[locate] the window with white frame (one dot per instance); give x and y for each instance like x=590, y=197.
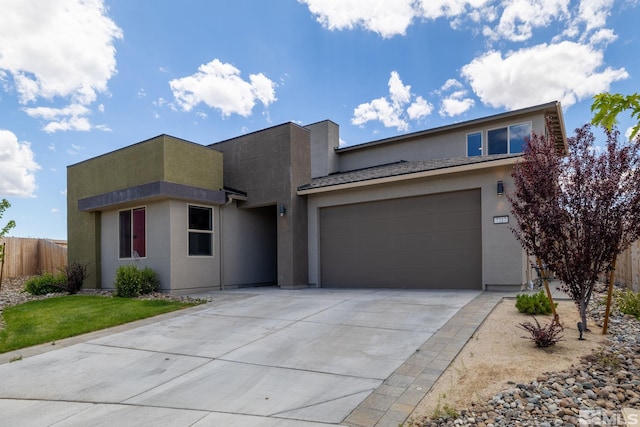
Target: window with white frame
x=474, y=144
x=509, y=139
x=133, y=233
x=200, y=231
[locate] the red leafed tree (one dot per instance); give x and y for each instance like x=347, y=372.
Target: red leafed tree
x=577, y=212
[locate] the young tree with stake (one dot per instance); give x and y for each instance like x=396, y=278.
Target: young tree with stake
x=578, y=212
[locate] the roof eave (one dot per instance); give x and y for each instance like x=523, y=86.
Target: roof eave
x=410, y=176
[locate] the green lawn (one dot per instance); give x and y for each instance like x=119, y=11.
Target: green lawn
x=47, y=320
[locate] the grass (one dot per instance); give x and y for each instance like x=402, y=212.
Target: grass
x=48, y=320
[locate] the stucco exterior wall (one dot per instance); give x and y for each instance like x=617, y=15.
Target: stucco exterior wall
x=192, y=274
x=325, y=138
x=249, y=246
x=269, y=166
x=167, y=250
x=502, y=263
x=430, y=145
x=163, y=158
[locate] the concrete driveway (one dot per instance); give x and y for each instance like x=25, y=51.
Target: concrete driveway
x=252, y=357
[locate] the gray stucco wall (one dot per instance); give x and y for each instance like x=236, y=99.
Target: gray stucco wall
x=325, y=138
x=503, y=258
x=432, y=145
x=167, y=252
x=269, y=166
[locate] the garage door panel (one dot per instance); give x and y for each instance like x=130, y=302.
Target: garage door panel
x=420, y=242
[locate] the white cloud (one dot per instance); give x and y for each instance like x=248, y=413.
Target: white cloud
x=75, y=149
x=419, y=109
x=17, y=166
x=220, y=86
x=456, y=104
x=451, y=83
x=565, y=71
x=391, y=111
x=55, y=210
x=385, y=17
x=594, y=13
x=58, y=48
x=603, y=37
x=434, y=9
x=520, y=17
x=514, y=20
x=72, y=117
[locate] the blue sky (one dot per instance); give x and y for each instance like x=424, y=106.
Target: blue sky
x=80, y=78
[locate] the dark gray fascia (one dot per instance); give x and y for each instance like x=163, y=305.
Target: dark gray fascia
x=158, y=190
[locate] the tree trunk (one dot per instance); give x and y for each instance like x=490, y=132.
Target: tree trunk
x=583, y=313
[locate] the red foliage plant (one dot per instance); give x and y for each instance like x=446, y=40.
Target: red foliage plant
x=577, y=212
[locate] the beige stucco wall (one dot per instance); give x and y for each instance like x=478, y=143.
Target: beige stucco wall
x=502, y=256
x=163, y=158
x=167, y=249
x=434, y=145
x=249, y=246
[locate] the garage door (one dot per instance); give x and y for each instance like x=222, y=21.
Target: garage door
x=429, y=242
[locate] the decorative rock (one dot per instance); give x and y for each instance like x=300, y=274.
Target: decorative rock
x=607, y=380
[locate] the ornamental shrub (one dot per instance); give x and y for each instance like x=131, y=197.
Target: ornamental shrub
x=628, y=302
x=132, y=282
x=75, y=274
x=543, y=336
x=537, y=303
x=46, y=283
x=150, y=282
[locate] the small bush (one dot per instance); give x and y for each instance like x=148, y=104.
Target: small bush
x=132, y=282
x=533, y=304
x=150, y=282
x=628, y=302
x=46, y=283
x=543, y=336
x=75, y=274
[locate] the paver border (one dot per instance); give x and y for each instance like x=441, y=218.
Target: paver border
x=391, y=404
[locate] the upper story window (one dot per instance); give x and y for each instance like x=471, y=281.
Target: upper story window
x=474, y=144
x=510, y=139
x=200, y=231
x=133, y=233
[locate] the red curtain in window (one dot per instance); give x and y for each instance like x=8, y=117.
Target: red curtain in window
x=139, y=233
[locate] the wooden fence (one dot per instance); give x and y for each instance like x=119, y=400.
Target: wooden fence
x=627, y=272
x=28, y=257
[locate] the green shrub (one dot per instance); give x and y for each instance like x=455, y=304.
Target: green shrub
x=133, y=282
x=46, y=283
x=150, y=282
x=75, y=274
x=628, y=302
x=533, y=303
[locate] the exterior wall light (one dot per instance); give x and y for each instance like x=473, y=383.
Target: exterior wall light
x=281, y=210
x=500, y=188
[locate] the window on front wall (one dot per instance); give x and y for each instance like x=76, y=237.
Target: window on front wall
x=510, y=139
x=200, y=231
x=474, y=144
x=133, y=233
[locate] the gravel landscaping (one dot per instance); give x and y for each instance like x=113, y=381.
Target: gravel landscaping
x=599, y=386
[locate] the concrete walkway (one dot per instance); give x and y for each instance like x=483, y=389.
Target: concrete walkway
x=257, y=357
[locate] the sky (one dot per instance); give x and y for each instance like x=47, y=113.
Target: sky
x=81, y=78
